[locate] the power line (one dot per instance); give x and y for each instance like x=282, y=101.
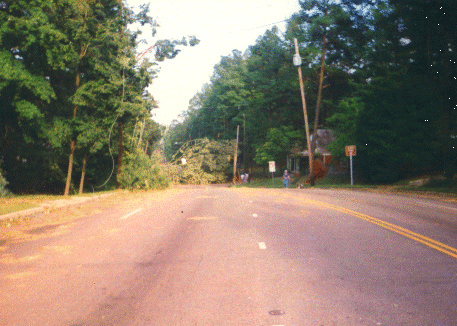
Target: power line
x=250, y=29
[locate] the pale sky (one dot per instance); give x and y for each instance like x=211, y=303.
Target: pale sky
x=221, y=26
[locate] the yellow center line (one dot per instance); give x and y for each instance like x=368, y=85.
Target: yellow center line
x=448, y=250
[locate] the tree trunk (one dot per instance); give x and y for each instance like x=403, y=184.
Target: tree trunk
x=146, y=148
x=70, y=167
x=141, y=133
x=120, y=143
x=73, y=141
x=319, y=92
x=83, y=174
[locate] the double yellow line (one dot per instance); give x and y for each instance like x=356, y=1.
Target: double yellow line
x=448, y=250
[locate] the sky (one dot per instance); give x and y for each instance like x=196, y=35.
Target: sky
x=220, y=25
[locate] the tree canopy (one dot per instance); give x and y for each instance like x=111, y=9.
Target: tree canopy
x=383, y=78
x=69, y=72
x=75, y=107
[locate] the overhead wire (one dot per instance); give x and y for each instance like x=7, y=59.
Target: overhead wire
x=250, y=29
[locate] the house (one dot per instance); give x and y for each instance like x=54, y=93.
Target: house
x=298, y=156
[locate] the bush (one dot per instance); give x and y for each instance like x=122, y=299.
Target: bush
x=142, y=172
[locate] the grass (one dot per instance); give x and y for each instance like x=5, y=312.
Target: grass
x=448, y=186
x=14, y=203
x=263, y=183
x=329, y=182
x=5, y=209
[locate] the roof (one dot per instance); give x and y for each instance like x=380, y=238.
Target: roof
x=324, y=138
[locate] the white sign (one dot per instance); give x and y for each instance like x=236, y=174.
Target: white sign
x=272, y=166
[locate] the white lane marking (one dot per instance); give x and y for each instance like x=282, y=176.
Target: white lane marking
x=130, y=214
x=262, y=245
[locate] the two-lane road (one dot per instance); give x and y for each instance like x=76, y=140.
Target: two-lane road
x=213, y=255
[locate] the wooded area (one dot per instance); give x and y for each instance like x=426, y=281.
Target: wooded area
x=74, y=104
x=381, y=75
x=75, y=113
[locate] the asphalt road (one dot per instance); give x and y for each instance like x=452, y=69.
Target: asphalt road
x=223, y=256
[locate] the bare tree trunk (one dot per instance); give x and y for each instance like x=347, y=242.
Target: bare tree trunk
x=83, y=174
x=146, y=148
x=141, y=133
x=70, y=167
x=73, y=141
x=319, y=92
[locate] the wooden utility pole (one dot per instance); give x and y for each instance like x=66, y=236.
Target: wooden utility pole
x=305, y=113
x=236, y=153
x=244, y=145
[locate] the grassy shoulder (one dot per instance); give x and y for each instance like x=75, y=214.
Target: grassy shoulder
x=438, y=187
x=15, y=203
x=328, y=182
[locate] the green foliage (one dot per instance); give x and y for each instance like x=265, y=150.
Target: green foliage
x=396, y=132
x=68, y=73
x=207, y=161
x=277, y=146
x=344, y=123
x=142, y=172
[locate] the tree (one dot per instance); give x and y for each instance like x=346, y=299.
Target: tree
x=405, y=128
x=277, y=145
x=396, y=133
x=330, y=48
x=428, y=28
x=31, y=48
x=69, y=70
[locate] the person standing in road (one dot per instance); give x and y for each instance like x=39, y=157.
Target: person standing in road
x=286, y=179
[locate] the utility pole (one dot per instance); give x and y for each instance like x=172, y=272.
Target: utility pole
x=244, y=145
x=236, y=153
x=297, y=63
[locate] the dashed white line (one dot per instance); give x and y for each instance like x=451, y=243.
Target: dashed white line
x=130, y=214
x=262, y=245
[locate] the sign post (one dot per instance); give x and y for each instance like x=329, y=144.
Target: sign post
x=272, y=168
x=351, y=151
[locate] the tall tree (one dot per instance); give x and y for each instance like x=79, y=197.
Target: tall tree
x=31, y=48
x=330, y=47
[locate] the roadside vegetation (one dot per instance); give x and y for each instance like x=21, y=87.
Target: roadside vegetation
x=76, y=112
x=371, y=82
x=436, y=186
